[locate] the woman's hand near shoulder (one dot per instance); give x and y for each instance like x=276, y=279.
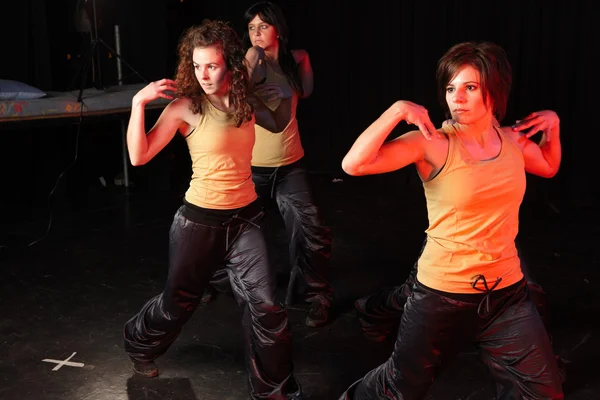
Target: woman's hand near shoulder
x=541, y=159
x=164, y=88
x=255, y=62
x=372, y=154
x=144, y=147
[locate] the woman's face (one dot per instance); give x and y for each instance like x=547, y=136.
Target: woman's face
x=261, y=33
x=211, y=70
x=464, y=96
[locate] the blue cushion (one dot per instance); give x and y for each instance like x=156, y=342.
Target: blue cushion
x=14, y=90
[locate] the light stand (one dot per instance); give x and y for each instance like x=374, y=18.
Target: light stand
x=92, y=59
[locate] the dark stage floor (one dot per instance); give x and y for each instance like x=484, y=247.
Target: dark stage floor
x=68, y=296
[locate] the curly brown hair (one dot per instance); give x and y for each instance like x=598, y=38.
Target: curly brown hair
x=214, y=33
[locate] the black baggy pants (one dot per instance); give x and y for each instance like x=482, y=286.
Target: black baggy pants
x=200, y=241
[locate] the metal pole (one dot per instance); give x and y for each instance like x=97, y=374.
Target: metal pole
x=123, y=128
x=95, y=19
x=118, y=48
x=96, y=62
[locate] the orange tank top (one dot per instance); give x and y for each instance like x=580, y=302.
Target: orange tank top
x=283, y=148
x=473, y=210
x=221, y=156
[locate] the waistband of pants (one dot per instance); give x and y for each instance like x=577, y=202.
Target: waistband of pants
x=476, y=297
x=219, y=218
x=282, y=168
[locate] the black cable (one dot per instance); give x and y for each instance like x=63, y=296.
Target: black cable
x=79, y=74
x=50, y=196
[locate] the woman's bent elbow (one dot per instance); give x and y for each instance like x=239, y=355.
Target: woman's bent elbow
x=136, y=161
x=349, y=168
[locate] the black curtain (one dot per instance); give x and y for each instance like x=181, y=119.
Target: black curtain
x=25, y=44
x=368, y=54
x=43, y=46
x=365, y=56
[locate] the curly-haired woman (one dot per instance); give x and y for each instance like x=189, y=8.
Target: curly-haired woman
x=217, y=224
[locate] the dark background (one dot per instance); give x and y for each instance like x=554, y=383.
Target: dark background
x=106, y=251
x=365, y=56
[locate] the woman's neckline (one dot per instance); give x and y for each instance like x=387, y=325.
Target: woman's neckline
x=493, y=158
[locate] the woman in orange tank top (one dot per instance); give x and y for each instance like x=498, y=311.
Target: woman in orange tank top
x=218, y=223
x=283, y=76
x=379, y=313
x=278, y=168
x=469, y=288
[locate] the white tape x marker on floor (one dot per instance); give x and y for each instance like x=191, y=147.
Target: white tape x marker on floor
x=65, y=362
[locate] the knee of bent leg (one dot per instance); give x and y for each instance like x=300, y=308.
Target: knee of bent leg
x=269, y=314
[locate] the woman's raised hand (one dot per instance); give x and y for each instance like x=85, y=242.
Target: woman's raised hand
x=155, y=90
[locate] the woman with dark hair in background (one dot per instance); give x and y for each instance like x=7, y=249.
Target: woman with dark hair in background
x=217, y=224
x=281, y=77
x=469, y=287
x=277, y=167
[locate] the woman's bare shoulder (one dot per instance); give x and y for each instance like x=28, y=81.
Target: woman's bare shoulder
x=182, y=108
x=299, y=55
x=513, y=136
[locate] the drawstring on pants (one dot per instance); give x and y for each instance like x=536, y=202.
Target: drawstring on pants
x=233, y=218
x=487, y=291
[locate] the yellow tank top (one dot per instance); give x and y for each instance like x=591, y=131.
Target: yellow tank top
x=283, y=148
x=473, y=210
x=221, y=156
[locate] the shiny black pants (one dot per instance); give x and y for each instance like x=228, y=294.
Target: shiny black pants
x=196, y=250
x=379, y=313
x=436, y=326
x=309, y=238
